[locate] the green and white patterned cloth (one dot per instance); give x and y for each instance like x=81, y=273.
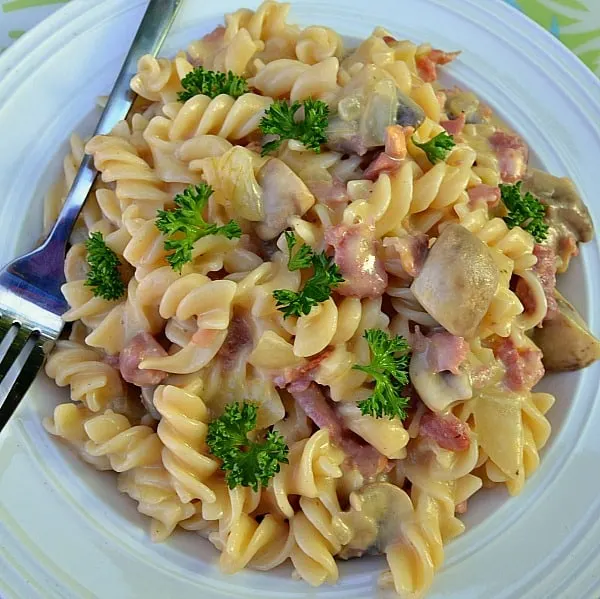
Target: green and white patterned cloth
x=575, y=22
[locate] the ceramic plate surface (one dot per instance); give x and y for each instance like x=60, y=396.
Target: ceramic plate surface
x=66, y=532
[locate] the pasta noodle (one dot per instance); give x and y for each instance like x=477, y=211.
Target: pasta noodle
x=396, y=232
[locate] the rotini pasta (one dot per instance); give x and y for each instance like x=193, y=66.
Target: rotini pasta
x=325, y=340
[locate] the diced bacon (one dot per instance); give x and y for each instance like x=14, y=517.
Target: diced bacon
x=215, y=35
x=366, y=458
x=389, y=40
x=524, y=367
x=301, y=377
x=239, y=338
x=484, y=195
x=445, y=352
x=455, y=126
x=141, y=347
x=512, y=155
x=254, y=146
x=318, y=409
x=545, y=268
x=427, y=63
x=112, y=360
x=404, y=256
x=356, y=255
x=204, y=337
x=461, y=508
x=446, y=430
x=382, y=164
x=210, y=43
x=395, y=141
x=332, y=194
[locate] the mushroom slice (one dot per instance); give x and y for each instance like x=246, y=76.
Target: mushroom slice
x=375, y=518
x=458, y=281
x=284, y=194
x=438, y=390
x=565, y=341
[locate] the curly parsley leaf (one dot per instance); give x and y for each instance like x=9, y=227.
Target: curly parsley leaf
x=211, y=84
x=317, y=289
x=247, y=463
x=524, y=211
x=302, y=258
x=185, y=225
x=104, y=277
x=389, y=368
x=280, y=120
x=437, y=148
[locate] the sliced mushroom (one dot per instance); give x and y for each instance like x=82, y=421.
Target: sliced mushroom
x=284, y=195
x=370, y=103
x=566, y=214
x=458, y=281
x=375, y=518
x=565, y=341
x=462, y=102
x=438, y=390
x=147, y=397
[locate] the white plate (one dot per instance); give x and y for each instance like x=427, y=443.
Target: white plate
x=64, y=529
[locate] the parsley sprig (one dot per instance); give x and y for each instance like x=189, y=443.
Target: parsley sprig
x=524, y=210
x=247, y=463
x=389, y=369
x=437, y=148
x=280, y=119
x=104, y=277
x=302, y=258
x=211, y=84
x=317, y=289
x=185, y=225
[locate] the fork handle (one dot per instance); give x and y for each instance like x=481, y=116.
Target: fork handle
x=150, y=37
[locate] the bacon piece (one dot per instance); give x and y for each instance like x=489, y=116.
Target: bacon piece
x=404, y=256
x=455, y=126
x=545, y=268
x=318, y=409
x=389, y=40
x=366, y=458
x=512, y=155
x=461, y=508
x=204, y=337
x=239, y=338
x=446, y=430
x=301, y=377
x=445, y=352
x=395, y=141
x=484, y=195
x=427, y=63
x=356, y=255
x=524, y=367
x=254, y=146
x=382, y=164
x=215, y=35
x=111, y=360
x=141, y=347
x=332, y=194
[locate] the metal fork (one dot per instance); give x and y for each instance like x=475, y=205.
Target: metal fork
x=31, y=303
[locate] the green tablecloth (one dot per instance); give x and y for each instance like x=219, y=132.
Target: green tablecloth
x=575, y=22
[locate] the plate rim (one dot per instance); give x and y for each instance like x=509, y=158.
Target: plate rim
x=66, y=13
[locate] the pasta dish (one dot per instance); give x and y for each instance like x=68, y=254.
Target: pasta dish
x=311, y=295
